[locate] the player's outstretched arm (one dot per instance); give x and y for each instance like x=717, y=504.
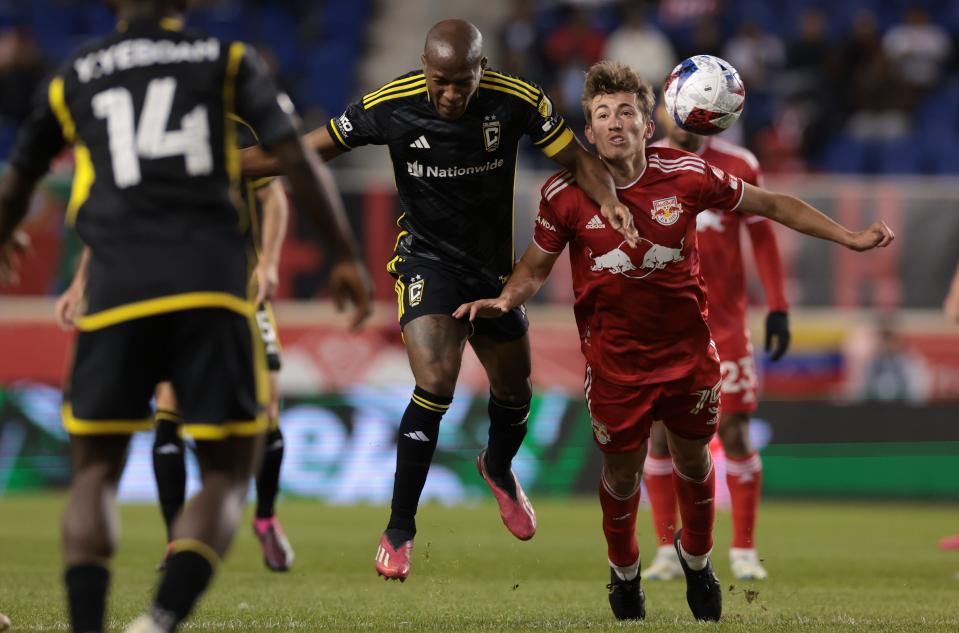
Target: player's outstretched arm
x=802, y=217
x=16, y=187
x=257, y=162
x=349, y=280
x=593, y=178
x=276, y=213
x=528, y=277
x=769, y=265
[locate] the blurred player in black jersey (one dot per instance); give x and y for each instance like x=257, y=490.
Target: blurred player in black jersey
x=147, y=110
x=266, y=203
x=452, y=130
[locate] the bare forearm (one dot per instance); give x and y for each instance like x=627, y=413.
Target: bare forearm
x=258, y=163
x=523, y=284
x=802, y=217
x=593, y=178
x=275, y=218
x=314, y=193
x=80, y=277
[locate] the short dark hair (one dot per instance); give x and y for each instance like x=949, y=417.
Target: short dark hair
x=609, y=77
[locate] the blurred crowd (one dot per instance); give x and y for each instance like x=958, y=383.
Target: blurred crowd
x=848, y=86
x=312, y=46
x=831, y=86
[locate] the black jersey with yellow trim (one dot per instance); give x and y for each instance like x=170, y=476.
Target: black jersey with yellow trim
x=455, y=178
x=156, y=191
x=246, y=137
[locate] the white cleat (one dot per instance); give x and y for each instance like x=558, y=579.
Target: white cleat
x=144, y=624
x=665, y=566
x=745, y=564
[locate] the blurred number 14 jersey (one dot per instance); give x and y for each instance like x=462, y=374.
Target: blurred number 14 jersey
x=455, y=178
x=150, y=113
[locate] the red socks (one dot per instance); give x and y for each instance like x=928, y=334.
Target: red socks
x=658, y=474
x=744, y=477
x=697, y=506
x=619, y=524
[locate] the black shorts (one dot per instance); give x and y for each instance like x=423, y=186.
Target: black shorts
x=266, y=322
x=211, y=356
x=425, y=287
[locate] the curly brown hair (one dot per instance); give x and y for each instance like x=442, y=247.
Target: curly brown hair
x=608, y=77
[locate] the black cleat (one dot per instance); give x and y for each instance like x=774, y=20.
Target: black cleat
x=626, y=597
x=704, y=594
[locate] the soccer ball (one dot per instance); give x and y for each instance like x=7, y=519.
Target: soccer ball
x=704, y=94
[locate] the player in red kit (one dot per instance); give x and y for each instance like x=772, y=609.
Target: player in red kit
x=721, y=263
x=641, y=315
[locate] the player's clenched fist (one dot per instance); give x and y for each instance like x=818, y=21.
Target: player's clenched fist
x=878, y=235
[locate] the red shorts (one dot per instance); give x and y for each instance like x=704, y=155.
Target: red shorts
x=622, y=416
x=739, y=374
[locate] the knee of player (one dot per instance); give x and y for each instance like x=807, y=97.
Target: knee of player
x=734, y=434
x=438, y=379
x=514, y=393
x=692, y=461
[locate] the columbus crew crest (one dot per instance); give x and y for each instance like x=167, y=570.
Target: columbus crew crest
x=491, y=133
x=416, y=291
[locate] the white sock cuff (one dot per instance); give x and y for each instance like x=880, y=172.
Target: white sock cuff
x=626, y=573
x=750, y=465
x=658, y=466
x=695, y=562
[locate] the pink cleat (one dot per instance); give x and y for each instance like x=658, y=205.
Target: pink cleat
x=950, y=542
x=393, y=564
x=517, y=512
x=277, y=552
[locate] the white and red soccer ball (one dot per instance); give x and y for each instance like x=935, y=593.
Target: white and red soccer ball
x=704, y=94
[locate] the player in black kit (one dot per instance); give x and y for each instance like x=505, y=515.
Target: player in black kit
x=148, y=111
x=452, y=130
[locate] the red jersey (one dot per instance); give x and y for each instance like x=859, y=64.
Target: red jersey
x=641, y=312
x=719, y=235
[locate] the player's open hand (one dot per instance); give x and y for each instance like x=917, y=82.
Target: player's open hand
x=878, y=235
x=483, y=308
x=10, y=254
x=621, y=220
x=69, y=306
x=350, y=283
x=267, y=278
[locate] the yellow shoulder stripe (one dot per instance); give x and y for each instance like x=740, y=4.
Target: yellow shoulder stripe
x=512, y=81
x=58, y=104
x=232, y=154
x=406, y=93
x=393, y=91
x=396, y=83
x=515, y=93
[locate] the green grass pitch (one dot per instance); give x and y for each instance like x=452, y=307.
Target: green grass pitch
x=838, y=566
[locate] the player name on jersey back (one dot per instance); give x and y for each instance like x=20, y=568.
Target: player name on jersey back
x=143, y=52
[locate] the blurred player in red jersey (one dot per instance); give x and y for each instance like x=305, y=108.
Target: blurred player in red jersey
x=720, y=251
x=641, y=314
